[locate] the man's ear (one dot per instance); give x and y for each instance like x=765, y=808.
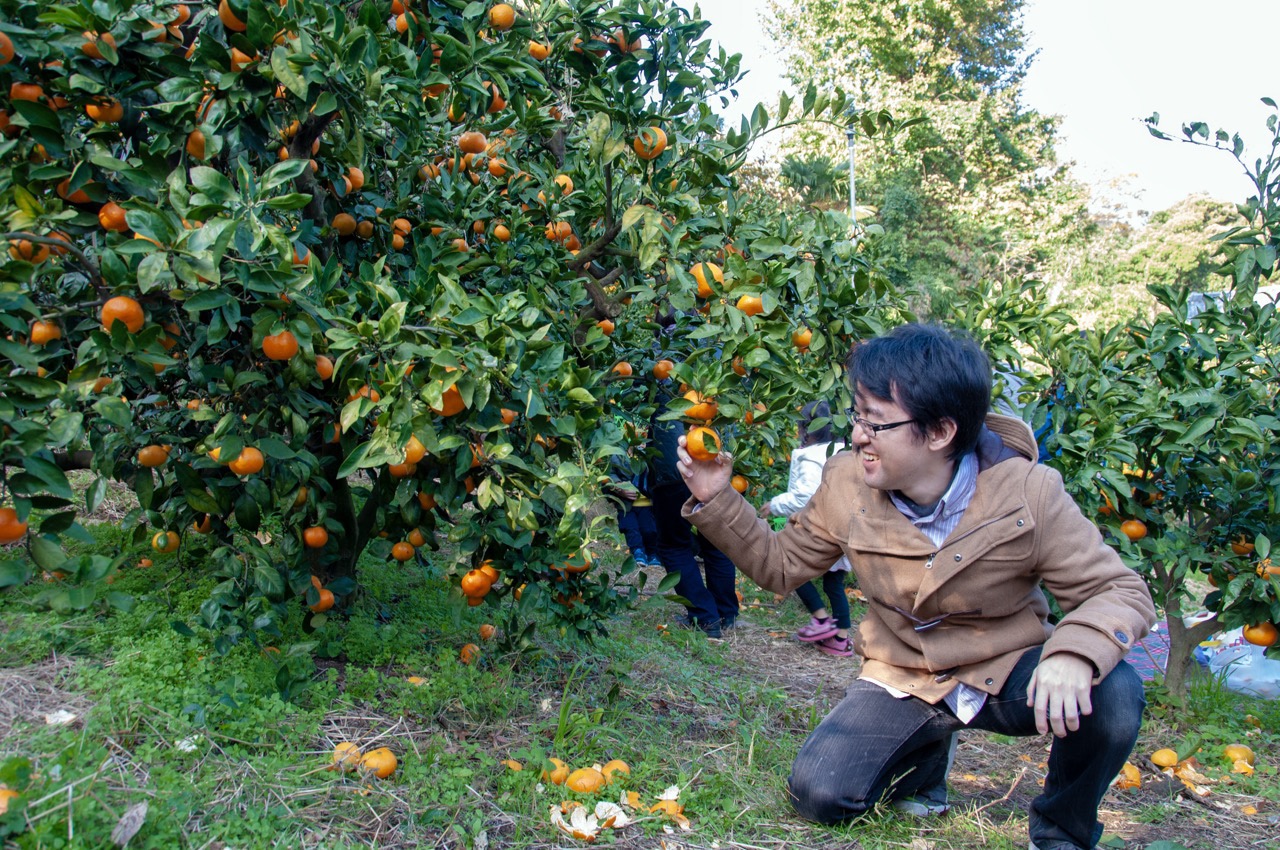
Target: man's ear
x=939, y=436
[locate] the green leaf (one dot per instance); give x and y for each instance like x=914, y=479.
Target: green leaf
x=213, y=184
x=285, y=74
x=13, y=573
x=55, y=480
x=392, y=319
x=47, y=554
x=581, y=396
x=268, y=578
x=355, y=460
x=293, y=201
x=281, y=173
x=153, y=272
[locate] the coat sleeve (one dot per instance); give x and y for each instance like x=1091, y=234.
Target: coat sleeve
x=804, y=478
x=779, y=561
x=1107, y=606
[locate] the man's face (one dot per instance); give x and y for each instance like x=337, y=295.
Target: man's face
x=892, y=458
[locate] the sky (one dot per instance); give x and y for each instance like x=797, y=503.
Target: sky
x=1103, y=66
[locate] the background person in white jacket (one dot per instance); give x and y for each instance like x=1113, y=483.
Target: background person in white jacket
x=828, y=626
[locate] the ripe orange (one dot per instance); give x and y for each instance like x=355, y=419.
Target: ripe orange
x=801, y=339
x=92, y=40
x=662, y=369
x=366, y=392
x=508, y=415
x=558, y=774
x=489, y=570
x=402, y=226
x=650, y=144
x=565, y=182
x=1238, y=752
x=346, y=756
x=606, y=327
x=249, y=462
x=702, y=408
x=1240, y=546
x=702, y=443
x=106, y=111
x=152, y=456
x=414, y=451
x=24, y=249
x=324, y=367
x=344, y=224
x=416, y=538
x=79, y=196
x=165, y=542
x=426, y=500
x=468, y=653
x=487, y=631
x=451, y=402
x=380, y=762
x=538, y=50
x=43, y=333
x=11, y=530
x=739, y=483
x=25, y=91
x=315, y=537
x=585, y=780
x=614, y=766
x=502, y=17
x=203, y=526
x=472, y=141
x=196, y=142
x=6, y=49
x=281, y=346
x=700, y=272
x=475, y=584
x=356, y=176
x=751, y=305
x=325, y=602
x=1134, y=529
x=229, y=19
x=111, y=217
x=739, y=368
x=239, y=59
x=402, y=551
x=623, y=369
x=1261, y=634
x=364, y=229
x=122, y=309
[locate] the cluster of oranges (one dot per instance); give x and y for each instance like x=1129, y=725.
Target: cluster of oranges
x=583, y=780
x=348, y=757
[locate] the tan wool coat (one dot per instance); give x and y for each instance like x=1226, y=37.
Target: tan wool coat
x=1021, y=529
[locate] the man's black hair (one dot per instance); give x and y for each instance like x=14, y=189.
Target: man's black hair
x=932, y=373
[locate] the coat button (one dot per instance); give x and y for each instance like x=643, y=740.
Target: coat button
x=1020, y=523
x=991, y=681
x=958, y=557
x=1122, y=637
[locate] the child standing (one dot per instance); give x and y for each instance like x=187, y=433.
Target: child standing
x=828, y=627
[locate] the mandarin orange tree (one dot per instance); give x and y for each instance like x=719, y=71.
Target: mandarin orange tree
x=347, y=264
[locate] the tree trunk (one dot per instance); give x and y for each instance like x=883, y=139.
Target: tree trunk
x=1183, y=641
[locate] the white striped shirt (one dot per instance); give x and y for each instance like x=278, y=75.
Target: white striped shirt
x=945, y=517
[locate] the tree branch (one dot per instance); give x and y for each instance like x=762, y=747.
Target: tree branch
x=95, y=276
x=596, y=248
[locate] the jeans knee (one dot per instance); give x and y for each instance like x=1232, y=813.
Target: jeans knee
x=820, y=798
x=1119, y=700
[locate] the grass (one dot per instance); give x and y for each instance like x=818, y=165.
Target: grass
x=220, y=759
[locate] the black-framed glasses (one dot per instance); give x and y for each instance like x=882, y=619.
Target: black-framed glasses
x=873, y=428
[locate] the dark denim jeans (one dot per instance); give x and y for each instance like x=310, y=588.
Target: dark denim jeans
x=714, y=600
x=874, y=747
x=833, y=585
x=637, y=526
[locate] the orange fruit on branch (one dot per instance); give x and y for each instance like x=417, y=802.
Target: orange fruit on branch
x=650, y=144
x=32, y=252
x=622, y=369
x=502, y=17
x=751, y=305
x=702, y=443
x=402, y=551
x=122, y=309
x=475, y=584
x=739, y=483
x=700, y=272
x=801, y=339
x=152, y=456
x=1134, y=529
x=229, y=19
x=325, y=602
x=281, y=346
x=1240, y=546
x=1261, y=634
x=344, y=224
x=538, y=50
x=472, y=141
x=165, y=542
x=111, y=217
x=249, y=461
x=43, y=333
x=315, y=537
x=105, y=111
x=11, y=530
x=324, y=367
x=702, y=407
x=662, y=369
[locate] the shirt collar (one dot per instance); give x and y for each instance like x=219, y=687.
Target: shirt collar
x=963, y=485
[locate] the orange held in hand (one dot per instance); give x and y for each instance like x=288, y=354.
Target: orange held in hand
x=702, y=443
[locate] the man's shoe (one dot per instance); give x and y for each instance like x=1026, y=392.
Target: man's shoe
x=833, y=645
x=816, y=630
x=920, y=807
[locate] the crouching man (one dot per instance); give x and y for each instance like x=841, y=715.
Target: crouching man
x=951, y=527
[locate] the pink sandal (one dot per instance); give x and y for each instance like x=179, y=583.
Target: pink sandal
x=833, y=645
x=816, y=630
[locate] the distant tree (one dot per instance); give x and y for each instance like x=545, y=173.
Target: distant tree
x=972, y=191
